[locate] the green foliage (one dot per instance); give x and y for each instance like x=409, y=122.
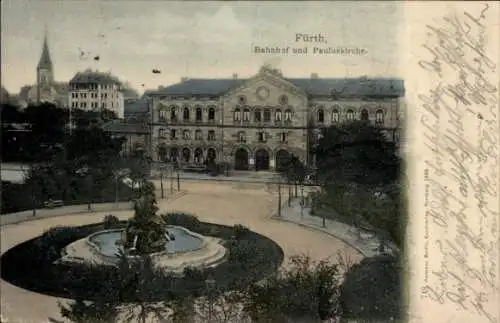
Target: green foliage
x=189, y=221
x=240, y=231
x=372, y=290
x=294, y=171
x=80, y=311
x=110, y=221
x=308, y=290
x=356, y=152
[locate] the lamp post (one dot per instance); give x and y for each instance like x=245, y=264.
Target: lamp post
x=85, y=172
x=210, y=284
x=279, y=197
x=161, y=181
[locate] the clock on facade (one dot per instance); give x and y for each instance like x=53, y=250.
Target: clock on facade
x=262, y=93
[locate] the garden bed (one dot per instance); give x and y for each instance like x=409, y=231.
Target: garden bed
x=252, y=257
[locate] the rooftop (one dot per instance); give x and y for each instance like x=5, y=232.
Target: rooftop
x=339, y=87
x=94, y=77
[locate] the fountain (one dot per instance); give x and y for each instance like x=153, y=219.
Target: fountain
x=172, y=248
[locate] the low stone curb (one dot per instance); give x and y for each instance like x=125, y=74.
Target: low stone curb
x=315, y=228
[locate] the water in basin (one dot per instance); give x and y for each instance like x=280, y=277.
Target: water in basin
x=106, y=241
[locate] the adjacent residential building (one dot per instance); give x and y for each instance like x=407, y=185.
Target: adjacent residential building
x=93, y=90
x=256, y=123
x=46, y=89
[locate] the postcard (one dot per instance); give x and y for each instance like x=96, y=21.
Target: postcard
x=226, y=161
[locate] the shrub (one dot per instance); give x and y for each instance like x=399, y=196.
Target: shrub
x=110, y=221
x=186, y=220
x=240, y=231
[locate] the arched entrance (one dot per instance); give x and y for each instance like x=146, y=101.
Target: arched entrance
x=186, y=155
x=282, y=158
x=211, y=155
x=261, y=159
x=198, y=156
x=241, y=159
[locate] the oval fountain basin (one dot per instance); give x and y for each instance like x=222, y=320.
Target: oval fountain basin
x=183, y=242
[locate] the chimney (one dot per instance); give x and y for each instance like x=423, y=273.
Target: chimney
x=314, y=75
x=184, y=79
x=235, y=76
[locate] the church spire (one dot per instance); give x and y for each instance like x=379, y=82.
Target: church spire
x=45, y=61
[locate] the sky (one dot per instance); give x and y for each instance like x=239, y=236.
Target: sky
x=195, y=39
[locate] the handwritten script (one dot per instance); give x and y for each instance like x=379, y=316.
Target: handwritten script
x=460, y=119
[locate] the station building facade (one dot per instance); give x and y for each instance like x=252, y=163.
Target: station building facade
x=256, y=123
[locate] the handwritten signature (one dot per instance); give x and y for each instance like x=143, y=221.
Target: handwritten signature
x=458, y=58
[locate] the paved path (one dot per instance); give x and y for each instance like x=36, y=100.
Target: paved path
x=366, y=243
x=226, y=203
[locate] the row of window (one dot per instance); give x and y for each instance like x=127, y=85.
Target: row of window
x=87, y=86
x=262, y=136
x=186, y=134
x=93, y=105
x=264, y=115
x=350, y=116
x=283, y=99
x=186, y=114
x=93, y=95
x=173, y=155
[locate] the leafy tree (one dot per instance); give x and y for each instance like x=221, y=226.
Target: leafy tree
x=294, y=171
x=81, y=311
x=372, y=290
x=308, y=290
x=356, y=152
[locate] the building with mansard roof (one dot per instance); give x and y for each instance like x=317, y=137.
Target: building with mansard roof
x=256, y=123
x=94, y=90
x=46, y=89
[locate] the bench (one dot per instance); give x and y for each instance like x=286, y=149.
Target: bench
x=53, y=203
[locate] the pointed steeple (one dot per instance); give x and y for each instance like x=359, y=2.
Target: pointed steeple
x=45, y=61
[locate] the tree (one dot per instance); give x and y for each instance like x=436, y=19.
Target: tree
x=356, y=152
x=372, y=290
x=81, y=311
x=308, y=290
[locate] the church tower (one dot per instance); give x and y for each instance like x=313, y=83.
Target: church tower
x=44, y=70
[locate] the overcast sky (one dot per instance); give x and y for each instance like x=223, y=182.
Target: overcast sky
x=194, y=39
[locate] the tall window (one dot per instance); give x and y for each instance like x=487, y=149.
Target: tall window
x=379, y=116
x=211, y=135
x=173, y=114
x=198, y=135
x=185, y=114
x=288, y=115
x=173, y=134
x=161, y=133
x=283, y=137
x=162, y=115
x=277, y=115
x=261, y=136
x=246, y=114
x=335, y=116
x=350, y=115
x=267, y=115
x=211, y=114
x=199, y=114
x=364, y=115
x=321, y=116
x=257, y=115
x=237, y=115
x=241, y=136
